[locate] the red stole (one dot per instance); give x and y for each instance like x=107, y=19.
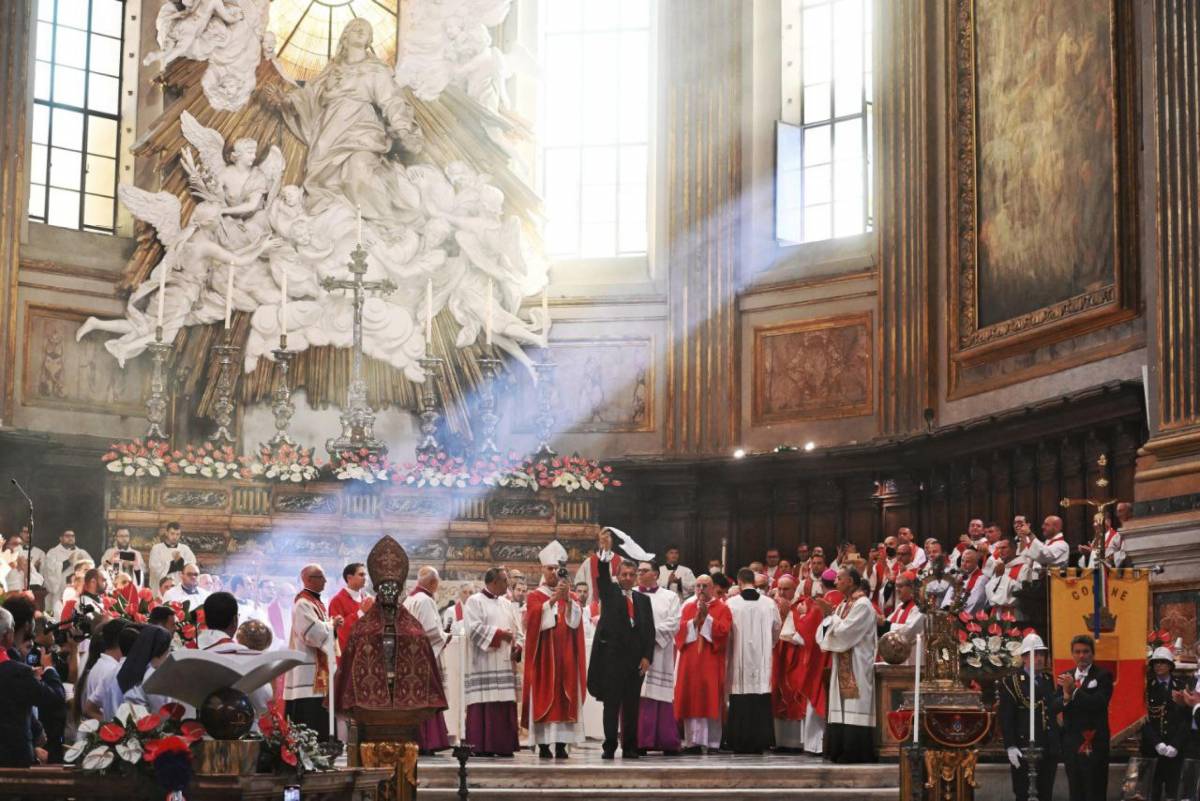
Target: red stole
x=321, y=675
x=1109, y=537
x=458, y=610
x=901, y=614
x=973, y=579
x=555, y=665
x=1014, y=572
x=221, y=641
x=344, y=604
x=700, y=669
x=787, y=672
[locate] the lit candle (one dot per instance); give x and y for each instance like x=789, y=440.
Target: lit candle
x=229, y=297
x=489, y=313
x=1032, y=697
x=162, y=293
x=283, y=311
x=359, y=224
x=917, y=696
x=429, y=316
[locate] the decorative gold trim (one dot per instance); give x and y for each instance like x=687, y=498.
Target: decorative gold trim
x=970, y=344
x=758, y=417
x=810, y=282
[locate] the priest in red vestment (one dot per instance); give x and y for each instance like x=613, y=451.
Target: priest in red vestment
x=813, y=679
x=555, y=665
x=704, y=627
x=788, y=704
x=350, y=602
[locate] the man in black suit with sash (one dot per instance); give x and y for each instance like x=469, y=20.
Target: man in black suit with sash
x=1085, y=693
x=622, y=649
x=1013, y=692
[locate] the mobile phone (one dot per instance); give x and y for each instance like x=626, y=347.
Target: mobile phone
x=291, y=792
x=127, y=556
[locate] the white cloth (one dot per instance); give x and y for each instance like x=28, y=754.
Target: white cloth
x=1055, y=552
x=1001, y=590
x=702, y=731
x=1114, y=551
x=976, y=596
x=161, y=558
x=660, y=679
x=178, y=594
x=913, y=625
x=312, y=635
x=57, y=567
x=751, y=644
x=489, y=674
x=136, y=569
x=422, y=606
x=207, y=640
x=105, y=666
x=108, y=696
x=685, y=580
x=849, y=634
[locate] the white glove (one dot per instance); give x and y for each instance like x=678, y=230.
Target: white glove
x=1172, y=752
x=1161, y=748
x=1014, y=756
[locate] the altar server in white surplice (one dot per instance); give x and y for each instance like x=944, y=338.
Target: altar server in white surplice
x=494, y=641
x=848, y=633
x=751, y=650
x=433, y=736
x=657, y=729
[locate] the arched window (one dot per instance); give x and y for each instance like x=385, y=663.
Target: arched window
x=824, y=143
x=76, y=114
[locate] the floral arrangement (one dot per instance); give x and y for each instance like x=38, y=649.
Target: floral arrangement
x=568, y=473
x=443, y=470
x=360, y=465
x=207, y=461
x=291, y=746
x=989, y=640
x=137, y=739
x=138, y=459
x=188, y=623
x=1157, y=639
x=283, y=463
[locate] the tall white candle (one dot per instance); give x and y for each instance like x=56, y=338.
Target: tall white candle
x=283, y=308
x=229, y=296
x=545, y=307
x=359, y=224
x=489, y=313
x=162, y=293
x=331, y=660
x=1032, y=697
x=429, y=316
x=917, y=695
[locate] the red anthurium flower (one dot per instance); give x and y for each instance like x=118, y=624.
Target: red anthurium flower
x=994, y=629
x=149, y=723
x=266, y=725
x=974, y=628
x=192, y=644
x=191, y=730
x=188, y=631
x=981, y=615
x=288, y=756
x=112, y=733
x=164, y=745
x=173, y=710
x=1007, y=616
x=1027, y=631
x=1014, y=632
x=962, y=635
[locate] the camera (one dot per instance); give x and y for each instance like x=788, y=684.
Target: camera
x=562, y=572
x=61, y=629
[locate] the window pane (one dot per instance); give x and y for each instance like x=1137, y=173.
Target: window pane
x=45, y=40
x=67, y=130
x=635, y=13
x=102, y=136
x=603, y=16
x=68, y=86
x=64, y=208
x=70, y=47
x=816, y=103
x=634, y=86
x=599, y=66
x=97, y=211
x=38, y=163
x=37, y=201
x=816, y=223
x=597, y=239
x=72, y=13
x=816, y=45
x=105, y=55
x=816, y=185
x=817, y=148
x=107, y=17
x=564, y=15
x=45, y=10
x=41, y=81
x=103, y=94
x=101, y=176
x=65, y=168
x=41, y=124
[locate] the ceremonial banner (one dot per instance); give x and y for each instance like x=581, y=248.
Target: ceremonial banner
x=1114, y=607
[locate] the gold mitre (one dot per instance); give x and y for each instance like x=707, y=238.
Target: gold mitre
x=387, y=564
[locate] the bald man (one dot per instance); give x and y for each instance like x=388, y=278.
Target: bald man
x=314, y=632
x=433, y=736
x=1052, y=550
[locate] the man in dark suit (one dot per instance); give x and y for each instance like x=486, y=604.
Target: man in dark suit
x=1085, y=693
x=621, y=652
x=24, y=688
x=1013, y=692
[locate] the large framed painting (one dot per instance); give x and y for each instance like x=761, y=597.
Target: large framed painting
x=813, y=369
x=60, y=373
x=1043, y=174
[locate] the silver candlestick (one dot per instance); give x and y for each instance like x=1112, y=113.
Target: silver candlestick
x=432, y=367
x=545, y=400
x=156, y=404
x=488, y=419
x=224, y=405
x=281, y=398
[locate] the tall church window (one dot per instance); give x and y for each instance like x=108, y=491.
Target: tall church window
x=824, y=149
x=76, y=114
x=593, y=126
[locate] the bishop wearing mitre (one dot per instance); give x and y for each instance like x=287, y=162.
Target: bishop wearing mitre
x=555, y=661
x=703, y=635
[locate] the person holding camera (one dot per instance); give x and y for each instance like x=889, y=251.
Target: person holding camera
x=25, y=688
x=169, y=557
x=122, y=558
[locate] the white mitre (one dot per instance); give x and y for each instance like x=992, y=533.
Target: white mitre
x=553, y=555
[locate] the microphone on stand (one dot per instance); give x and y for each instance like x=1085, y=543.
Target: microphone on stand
x=28, y=545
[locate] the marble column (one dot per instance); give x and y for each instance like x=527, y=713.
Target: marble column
x=1166, y=527
x=16, y=21
x=701, y=75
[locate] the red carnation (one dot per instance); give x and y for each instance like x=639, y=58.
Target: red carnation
x=149, y=723
x=112, y=733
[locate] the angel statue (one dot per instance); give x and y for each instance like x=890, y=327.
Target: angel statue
x=353, y=117
x=448, y=44
x=183, y=272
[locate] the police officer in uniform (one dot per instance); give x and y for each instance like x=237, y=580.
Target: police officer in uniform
x=1014, y=722
x=1167, y=723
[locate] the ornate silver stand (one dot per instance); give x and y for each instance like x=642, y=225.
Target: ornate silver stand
x=156, y=404
x=432, y=367
x=281, y=398
x=545, y=400
x=488, y=419
x=1033, y=755
x=358, y=420
x=913, y=754
x=224, y=405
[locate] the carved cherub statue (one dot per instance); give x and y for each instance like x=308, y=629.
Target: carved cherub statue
x=181, y=25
